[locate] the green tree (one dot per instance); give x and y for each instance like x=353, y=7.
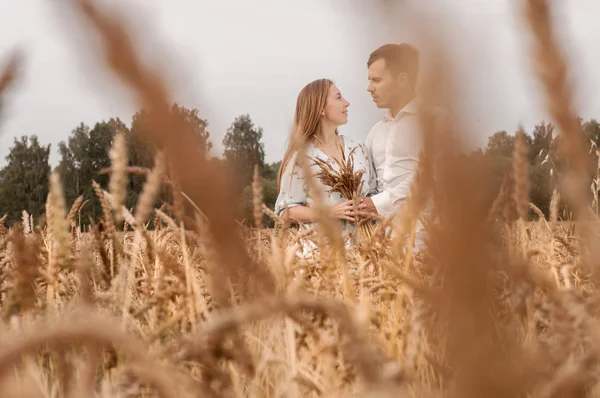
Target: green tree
x=24, y=180
x=83, y=156
x=591, y=128
x=141, y=152
x=243, y=150
x=73, y=166
x=270, y=191
x=268, y=182
x=500, y=144
x=270, y=171
x=246, y=202
x=198, y=125
x=542, y=149
x=541, y=187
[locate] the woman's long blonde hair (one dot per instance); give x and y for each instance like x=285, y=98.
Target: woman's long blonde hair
x=307, y=119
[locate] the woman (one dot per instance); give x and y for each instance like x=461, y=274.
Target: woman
x=320, y=110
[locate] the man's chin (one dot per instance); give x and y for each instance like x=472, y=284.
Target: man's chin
x=378, y=104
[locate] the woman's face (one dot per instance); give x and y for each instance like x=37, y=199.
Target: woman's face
x=336, y=107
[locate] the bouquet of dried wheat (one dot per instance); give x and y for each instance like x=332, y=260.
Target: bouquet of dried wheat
x=347, y=182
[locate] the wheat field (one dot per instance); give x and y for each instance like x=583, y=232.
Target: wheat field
x=497, y=305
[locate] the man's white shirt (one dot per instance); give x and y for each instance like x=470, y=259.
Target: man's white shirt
x=395, y=144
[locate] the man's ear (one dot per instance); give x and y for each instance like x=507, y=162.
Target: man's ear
x=403, y=79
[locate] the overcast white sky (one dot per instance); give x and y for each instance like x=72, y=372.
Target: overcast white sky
x=230, y=57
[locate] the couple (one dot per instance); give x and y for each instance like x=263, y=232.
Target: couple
x=388, y=157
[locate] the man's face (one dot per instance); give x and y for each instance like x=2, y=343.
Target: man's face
x=384, y=86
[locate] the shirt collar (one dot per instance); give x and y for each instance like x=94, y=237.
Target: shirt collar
x=410, y=108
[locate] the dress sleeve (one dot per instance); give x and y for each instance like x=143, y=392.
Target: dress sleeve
x=366, y=162
x=293, y=190
x=372, y=181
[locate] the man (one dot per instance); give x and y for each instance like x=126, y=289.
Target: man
x=394, y=142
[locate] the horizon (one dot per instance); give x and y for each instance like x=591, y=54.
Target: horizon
x=271, y=161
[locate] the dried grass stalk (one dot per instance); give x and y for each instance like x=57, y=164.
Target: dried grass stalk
x=521, y=173
x=75, y=208
x=117, y=185
x=151, y=189
x=26, y=251
x=257, y=199
x=90, y=330
x=348, y=183
x=9, y=74
x=58, y=233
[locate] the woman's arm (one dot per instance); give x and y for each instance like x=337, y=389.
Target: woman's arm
x=292, y=195
x=305, y=214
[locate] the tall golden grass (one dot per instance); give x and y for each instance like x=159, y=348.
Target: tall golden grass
x=491, y=309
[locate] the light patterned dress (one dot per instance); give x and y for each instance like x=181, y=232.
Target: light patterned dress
x=294, y=190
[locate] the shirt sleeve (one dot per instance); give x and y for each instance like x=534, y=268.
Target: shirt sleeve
x=293, y=190
x=384, y=203
x=397, y=185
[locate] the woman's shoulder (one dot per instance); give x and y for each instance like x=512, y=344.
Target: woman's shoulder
x=352, y=143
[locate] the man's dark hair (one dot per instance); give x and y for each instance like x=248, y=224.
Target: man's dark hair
x=400, y=58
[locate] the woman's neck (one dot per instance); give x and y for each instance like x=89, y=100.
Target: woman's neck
x=326, y=135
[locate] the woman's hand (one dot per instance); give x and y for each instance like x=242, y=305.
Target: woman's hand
x=343, y=211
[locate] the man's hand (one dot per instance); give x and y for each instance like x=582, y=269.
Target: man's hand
x=366, y=205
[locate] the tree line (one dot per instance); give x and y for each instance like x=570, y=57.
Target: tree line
x=84, y=159
x=545, y=161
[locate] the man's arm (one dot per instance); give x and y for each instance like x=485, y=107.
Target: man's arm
x=402, y=171
x=377, y=203
x=397, y=181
